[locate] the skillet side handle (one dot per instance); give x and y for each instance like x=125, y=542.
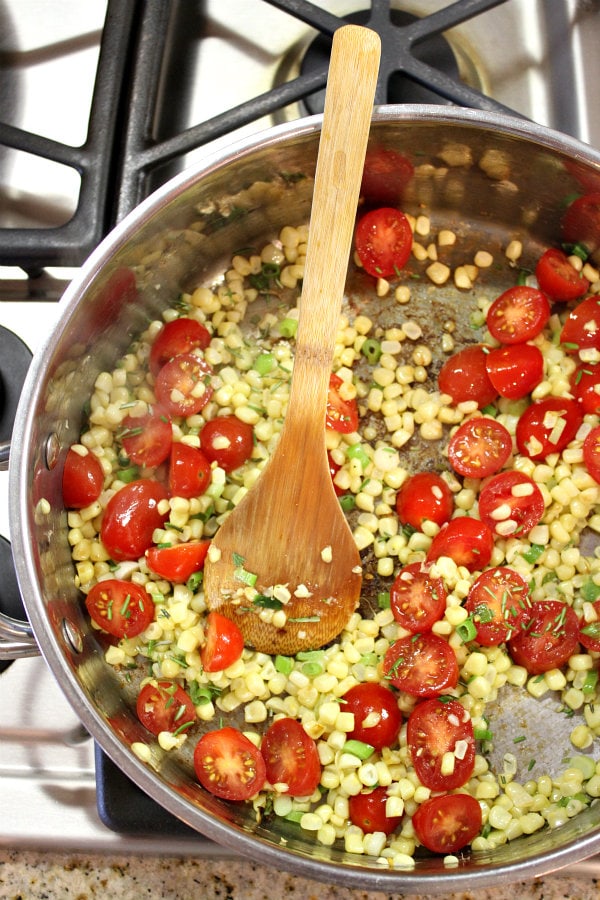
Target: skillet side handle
x=16, y=639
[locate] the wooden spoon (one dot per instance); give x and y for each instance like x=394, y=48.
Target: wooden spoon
x=289, y=529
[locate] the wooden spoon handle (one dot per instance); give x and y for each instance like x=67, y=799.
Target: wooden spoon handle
x=348, y=109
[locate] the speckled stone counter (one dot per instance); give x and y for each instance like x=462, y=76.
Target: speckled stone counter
x=40, y=876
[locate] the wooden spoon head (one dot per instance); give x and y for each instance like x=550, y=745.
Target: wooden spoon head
x=291, y=534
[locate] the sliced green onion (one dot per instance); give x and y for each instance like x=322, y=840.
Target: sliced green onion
x=482, y=734
x=264, y=363
x=358, y=748
x=194, y=581
x=357, y=451
x=590, y=682
x=131, y=473
x=312, y=669
x=371, y=349
x=267, y=602
x=288, y=328
x=383, y=599
x=347, y=502
x=246, y=577
x=533, y=553
x=590, y=591
x=284, y=664
x=467, y=631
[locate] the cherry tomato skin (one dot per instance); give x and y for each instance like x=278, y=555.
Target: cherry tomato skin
x=333, y=470
x=189, y=471
x=581, y=330
x=342, y=415
x=548, y=636
x=424, y=497
x=585, y=387
x=291, y=757
x=164, y=706
x=591, y=453
x=228, y=764
x=548, y=426
x=417, y=600
x=368, y=700
x=121, y=608
x=464, y=377
x=130, y=518
x=175, y=338
x=515, y=370
x=479, y=447
x=518, y=315
x=448, y=823
x=227, y=441
x=589, y=632
x=497, y=603
x=511, y=503
x=83, y=479
x=434, y=729
x=367, y=811
x=383, y=240
x=467, y=541
x=422, y=665
x=179, y=562
x=557, y=277
x=581, y=222
x=183, y=386
x=147, y=439
x=385, y=176
x=224, y=643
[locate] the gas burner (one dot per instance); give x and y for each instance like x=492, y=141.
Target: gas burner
x=436, y=51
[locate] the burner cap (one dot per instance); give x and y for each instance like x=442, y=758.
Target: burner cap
x=434, y=50
x=15, y=357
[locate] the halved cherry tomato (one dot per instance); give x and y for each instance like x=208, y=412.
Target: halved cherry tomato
x=179, y=562
x=464, y=377
x=515, y=370
x=422, y=665
x=581, y=330
x=585, y=387
x=383, y=241
x=448, y=823
x=130, y=518
x=385, y=176
x=581, y=222
x=189, y=471
x=227, y=441
x=467, y=541
x=424, y=497
x=121, y=608
x=224, y=643
x=165, y=706
x=83, y=479
x=435, y=729
x=291, y=757
x=367, y=811
x=547, y=426
x=175, y=338
x=183, y=385
x=416, y=599
x=228, y=764
x=378, y=705
x=558, y=278
x=591, y=453
x=342, y=415
x=511, y=503
x=548, y=636
x=518, y=315
x=497, y=603
x=479, y=447
x=147, y=439
x=589, y=632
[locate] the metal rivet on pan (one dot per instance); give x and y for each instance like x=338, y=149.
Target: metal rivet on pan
x=51, y=451
x=72, y=636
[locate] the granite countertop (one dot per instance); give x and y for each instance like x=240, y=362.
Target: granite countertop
x=30, y=875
